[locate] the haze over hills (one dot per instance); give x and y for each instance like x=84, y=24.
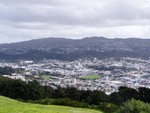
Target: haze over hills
x=70, y=49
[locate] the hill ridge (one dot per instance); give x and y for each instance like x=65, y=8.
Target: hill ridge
x=72, y=49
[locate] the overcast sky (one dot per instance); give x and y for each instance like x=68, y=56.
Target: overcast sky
x=30, y=19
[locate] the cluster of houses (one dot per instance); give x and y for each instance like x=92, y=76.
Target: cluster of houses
x=130, y=72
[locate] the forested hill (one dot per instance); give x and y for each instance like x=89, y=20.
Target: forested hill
x=71, y=49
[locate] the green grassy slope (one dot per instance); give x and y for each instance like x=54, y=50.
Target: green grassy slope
x=12, y=106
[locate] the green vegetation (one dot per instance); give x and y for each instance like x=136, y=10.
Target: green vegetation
x=20, y=70
x=8, y=105
x=90, y=77
x=46, y=77
x=6, y=70
x=70, y=96
x=135, y=106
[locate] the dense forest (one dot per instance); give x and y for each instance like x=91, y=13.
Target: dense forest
x=34, y=92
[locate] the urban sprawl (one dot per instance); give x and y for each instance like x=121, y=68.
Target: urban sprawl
x=85, y=74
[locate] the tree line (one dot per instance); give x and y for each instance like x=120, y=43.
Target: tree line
x=33, y=91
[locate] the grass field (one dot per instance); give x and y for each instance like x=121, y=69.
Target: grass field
x=12, y=106
x=91, y=77
x=46, y=77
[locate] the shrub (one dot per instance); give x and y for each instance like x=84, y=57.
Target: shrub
x=108, y=107
x=135, y=106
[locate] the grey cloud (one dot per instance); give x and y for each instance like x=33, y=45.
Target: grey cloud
x=78, y=13
x=29, y=2
x=66, y=17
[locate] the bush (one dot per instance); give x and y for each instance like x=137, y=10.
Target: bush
x=108, y=107
x=135, y=106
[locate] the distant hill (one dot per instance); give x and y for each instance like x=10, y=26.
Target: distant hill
x=38, y=43
x=12, y=106
x=70, y=49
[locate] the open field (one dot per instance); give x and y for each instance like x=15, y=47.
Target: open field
x=90, y=77
x=46, y=77
x=12, y=106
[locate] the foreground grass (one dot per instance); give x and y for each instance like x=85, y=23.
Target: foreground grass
x=11, y=106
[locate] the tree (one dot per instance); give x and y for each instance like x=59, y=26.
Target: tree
x=6, y=70
x=144, y=94
x=128, y=93
x=72, y=93
x=116, y=99
x=134, y=106
x=35, y=90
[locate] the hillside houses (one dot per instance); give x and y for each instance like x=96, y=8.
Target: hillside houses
x=130, y=72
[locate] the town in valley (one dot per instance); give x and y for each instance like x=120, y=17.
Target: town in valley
x=85, y=74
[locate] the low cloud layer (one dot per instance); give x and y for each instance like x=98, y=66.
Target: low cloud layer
x=27, y=19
